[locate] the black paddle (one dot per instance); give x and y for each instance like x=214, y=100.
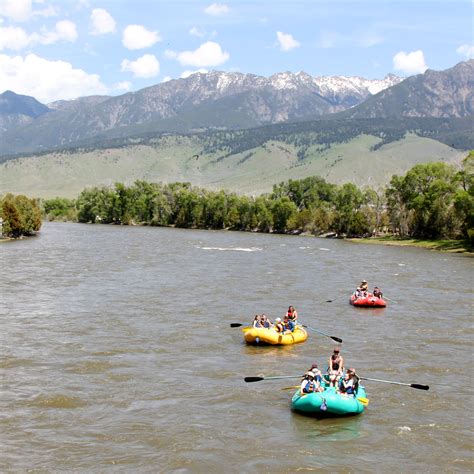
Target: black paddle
x=335, y=299
x=259, y=379
x=412, y=385
x=334, y=338
x=235, y=325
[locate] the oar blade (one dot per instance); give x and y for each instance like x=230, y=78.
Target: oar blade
x=253, y=379
x=337, y=339
x=419, y=386
x=363, y=400
x=235, y=325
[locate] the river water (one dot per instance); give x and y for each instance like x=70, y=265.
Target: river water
x=117, y=355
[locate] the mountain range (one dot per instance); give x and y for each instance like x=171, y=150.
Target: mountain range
x=244, y=131
x=215, y=100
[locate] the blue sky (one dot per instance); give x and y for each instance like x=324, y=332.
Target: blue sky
x=62, y=49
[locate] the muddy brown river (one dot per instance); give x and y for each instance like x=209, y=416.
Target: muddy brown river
x=116, y=353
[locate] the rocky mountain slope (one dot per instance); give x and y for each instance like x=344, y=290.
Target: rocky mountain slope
x=17, y=110
x=448, y=93
x=213, y=100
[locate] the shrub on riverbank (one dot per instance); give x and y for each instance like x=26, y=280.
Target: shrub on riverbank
x=20, y=215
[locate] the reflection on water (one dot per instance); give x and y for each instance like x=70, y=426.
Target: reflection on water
x=116, y=353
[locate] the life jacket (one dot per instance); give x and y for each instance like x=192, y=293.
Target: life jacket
x=309, y=387
x=335, y=365
x=290, y=315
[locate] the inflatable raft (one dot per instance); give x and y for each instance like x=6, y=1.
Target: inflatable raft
x=270, y=336
x=369, y=301
x=329, y=402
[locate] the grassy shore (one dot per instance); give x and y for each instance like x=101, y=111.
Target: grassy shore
x=454, y=246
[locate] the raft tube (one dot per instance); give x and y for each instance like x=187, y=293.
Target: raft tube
x=328, y=402
x=270, y=336
x=369, y=301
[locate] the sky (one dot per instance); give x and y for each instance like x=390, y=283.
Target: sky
x=64, y=49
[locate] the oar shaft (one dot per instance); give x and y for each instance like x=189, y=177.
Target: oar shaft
x=385, y=381
x=412, y=385
x=334, y=338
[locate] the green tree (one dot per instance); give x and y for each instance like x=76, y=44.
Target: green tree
x=283, y=210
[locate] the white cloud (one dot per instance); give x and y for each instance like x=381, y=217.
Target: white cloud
x=466, y=50
x=64, y=30
x=122, y=86
x=47, y=11
x=286, y=41
x=138, y=37
x=146, y=66
x=217, y=9
x=186, y=74
x=15, y=38
x=17, y=10
x=102, y=22
x=47, y=80
x=196, y=31
x=410, y=63
x=208, y=54
x=166, y=79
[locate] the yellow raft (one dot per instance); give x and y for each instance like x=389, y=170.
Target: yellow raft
x=270, y=336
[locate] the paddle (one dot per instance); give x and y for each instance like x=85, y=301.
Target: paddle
x=334, y=338
x=412, y=385
x=335, y=299
x=389, y=299
x=235, y=325
x=259, y=379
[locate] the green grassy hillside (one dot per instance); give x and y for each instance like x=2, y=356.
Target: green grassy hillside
x=170, y=159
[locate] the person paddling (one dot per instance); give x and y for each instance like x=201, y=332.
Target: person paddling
x=292, y=314
x=336, y=367
x=309, y=384
x=377, y=292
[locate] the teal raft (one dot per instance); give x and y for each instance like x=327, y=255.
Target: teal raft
x=329, y=402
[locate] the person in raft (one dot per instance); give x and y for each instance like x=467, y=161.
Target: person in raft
x=278, y=326
x=257, y=321
x=377, y=292
x=350, y=383
x=317, y=373
x=265, y=322
x=288, y=324
x=364, y=287
x=292, y=314
x=309, y=384
x=336, y=367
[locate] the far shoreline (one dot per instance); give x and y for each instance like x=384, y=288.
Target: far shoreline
x=447, y=246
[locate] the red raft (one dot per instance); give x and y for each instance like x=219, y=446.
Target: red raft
x=369, y=301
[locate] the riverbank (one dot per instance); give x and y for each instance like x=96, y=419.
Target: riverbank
x=452, y=246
